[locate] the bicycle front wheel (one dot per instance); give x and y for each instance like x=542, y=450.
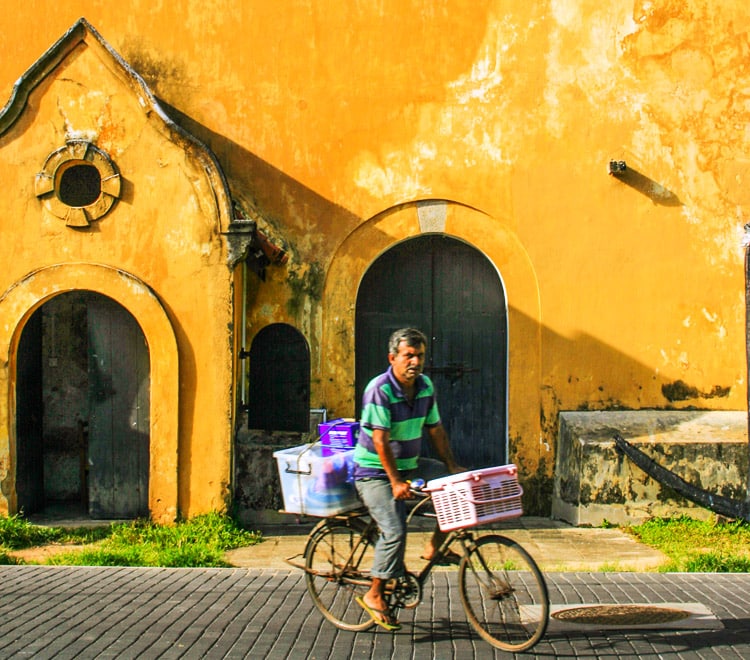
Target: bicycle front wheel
x=504, y=593
x=337, y=555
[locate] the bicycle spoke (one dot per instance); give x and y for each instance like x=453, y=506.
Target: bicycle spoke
x=333, y=557
x=504, y=594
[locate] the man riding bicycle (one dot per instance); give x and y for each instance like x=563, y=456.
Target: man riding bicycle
x=397, y=405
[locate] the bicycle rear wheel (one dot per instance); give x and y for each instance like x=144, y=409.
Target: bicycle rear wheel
x=336, y=558
x=504, y=593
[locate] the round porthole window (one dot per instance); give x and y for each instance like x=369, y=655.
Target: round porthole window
x=79, y=183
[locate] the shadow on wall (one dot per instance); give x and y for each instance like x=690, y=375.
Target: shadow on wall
x=278, y=198
x=588, y=374
x=657, y=193
x=592, y=375
x=593, y=370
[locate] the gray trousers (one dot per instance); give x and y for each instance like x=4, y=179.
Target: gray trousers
x=390, y=514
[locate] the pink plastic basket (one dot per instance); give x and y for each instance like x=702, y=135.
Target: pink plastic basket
x=477, y=497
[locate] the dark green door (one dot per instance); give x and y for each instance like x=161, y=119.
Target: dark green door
x=452, y=293
x=279, y=380
x=29, y=411
x=118, y=454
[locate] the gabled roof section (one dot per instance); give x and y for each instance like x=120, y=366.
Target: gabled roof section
x=83, y=32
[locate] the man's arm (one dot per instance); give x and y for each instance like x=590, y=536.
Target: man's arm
x=381, y=440
x=442, y=447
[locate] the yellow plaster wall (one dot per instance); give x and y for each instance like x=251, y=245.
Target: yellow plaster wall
x=326, y=115
x=161, y=239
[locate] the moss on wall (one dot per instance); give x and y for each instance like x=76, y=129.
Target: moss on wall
x=537, y=492
x=305, y=288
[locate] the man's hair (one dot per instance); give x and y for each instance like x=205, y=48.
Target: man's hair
x=411, y=336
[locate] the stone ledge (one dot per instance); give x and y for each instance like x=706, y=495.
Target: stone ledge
x=594, y=483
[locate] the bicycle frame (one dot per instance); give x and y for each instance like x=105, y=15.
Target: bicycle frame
x=351, y=565
x=502, y=589
x=464, y=536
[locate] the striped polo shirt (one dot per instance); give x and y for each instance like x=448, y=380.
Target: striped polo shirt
x=384, y=406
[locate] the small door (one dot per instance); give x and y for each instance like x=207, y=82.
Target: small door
x=279, y=380
x=118, y=451
x=451, y=292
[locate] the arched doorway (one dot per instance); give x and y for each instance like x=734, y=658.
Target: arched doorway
x=83, y=409
x=454, y=294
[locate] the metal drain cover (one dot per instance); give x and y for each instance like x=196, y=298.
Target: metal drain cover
x=620, y=615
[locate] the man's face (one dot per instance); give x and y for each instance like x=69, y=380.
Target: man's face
x=408, y=363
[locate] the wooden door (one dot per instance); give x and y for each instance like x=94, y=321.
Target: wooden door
x=29, y=411
x=453, y=293
x=279, y=380
x=118, y=453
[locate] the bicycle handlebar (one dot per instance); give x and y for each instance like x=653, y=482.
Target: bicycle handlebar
x=416, y=486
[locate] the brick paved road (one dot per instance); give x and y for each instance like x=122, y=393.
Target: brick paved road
x=67, y=612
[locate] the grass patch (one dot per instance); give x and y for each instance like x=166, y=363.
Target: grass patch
x=17, y=533
x=697, y=546
x=194, y=543
x=7, y=560
x=613, y=567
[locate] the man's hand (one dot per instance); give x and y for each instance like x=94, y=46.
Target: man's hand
x=401, y=490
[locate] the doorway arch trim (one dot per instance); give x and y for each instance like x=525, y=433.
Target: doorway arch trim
x=495, y=238
x=25, y=296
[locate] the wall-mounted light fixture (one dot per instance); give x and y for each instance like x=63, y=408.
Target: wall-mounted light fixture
x=632, y=178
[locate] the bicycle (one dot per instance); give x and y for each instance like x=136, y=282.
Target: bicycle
x=502, y=590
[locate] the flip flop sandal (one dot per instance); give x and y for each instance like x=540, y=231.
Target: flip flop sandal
x=383, y=618
x=448, y=559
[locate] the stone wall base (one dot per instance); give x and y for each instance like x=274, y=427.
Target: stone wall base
x=257, y=495
x=594, y=483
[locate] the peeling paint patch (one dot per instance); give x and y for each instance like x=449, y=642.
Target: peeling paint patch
x=401, y=172
x=72, y=134
x=711, y=318
x=698, y=118
x=384, y=180
x=485, y=75
x=269, y=311
x=305, y=285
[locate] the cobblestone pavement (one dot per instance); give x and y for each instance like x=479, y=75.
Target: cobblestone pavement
x=73, y=612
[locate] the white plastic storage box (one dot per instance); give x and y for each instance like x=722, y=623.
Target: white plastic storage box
x=476, y=497
x=315, y=484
